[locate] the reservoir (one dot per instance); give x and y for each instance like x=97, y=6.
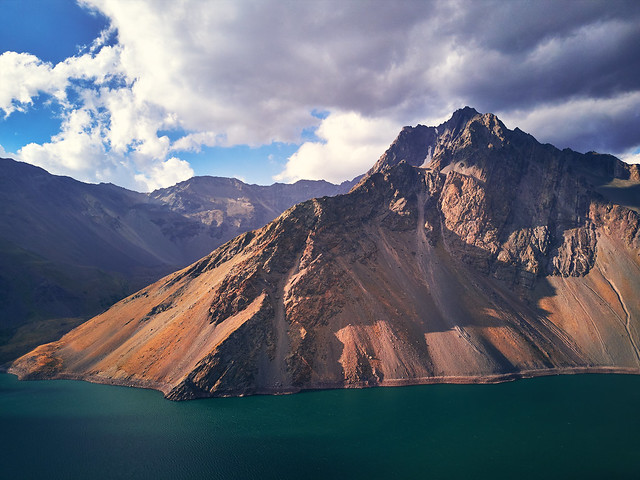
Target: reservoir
x=573, y=426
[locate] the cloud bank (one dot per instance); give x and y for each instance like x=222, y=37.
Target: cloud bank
x=253, y=72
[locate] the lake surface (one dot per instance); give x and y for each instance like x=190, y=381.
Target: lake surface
x=577, y=426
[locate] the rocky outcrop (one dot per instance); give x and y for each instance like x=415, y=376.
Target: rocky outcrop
x=510, y=205
x=497, y=258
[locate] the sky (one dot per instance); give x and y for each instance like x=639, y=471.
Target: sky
x=147, y=93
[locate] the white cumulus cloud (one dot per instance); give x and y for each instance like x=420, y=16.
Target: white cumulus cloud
x=632, y=156
x=349, y=144
x=165, y=174
x=107, y=133
x=22, y=77
x=5, y=154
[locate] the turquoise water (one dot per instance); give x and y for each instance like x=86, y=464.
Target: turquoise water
x=582, y=426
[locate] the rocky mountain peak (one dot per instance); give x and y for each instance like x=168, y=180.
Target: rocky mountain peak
x=421, y=146
x=458, y=121
x=414, y=145
x=506, y=204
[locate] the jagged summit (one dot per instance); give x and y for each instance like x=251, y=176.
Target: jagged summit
x=469, y=253
x=471, y=139
x=418, y=145
x=459, y=120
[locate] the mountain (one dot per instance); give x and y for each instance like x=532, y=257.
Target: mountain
x=469, y=253
x=227, y=207
x=69, y=250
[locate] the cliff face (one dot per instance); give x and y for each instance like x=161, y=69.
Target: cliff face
x=469, y=252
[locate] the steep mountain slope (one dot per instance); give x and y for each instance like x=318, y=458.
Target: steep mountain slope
x=469, y=253
x=69, y=250
x=228, y=207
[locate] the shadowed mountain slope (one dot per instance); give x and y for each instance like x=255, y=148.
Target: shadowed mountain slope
x=69, y=250
x=469, y=253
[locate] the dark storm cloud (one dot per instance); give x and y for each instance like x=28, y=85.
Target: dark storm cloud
x=519, y=57
x=549, y=52
x=549, y=55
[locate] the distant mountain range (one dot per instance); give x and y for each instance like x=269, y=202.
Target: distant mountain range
x=69, y=250
x=469, y=253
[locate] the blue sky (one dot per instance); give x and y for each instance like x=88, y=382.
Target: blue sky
x=51, y=30
x=146, y=93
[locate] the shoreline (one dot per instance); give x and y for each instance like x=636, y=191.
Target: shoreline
x=401, y=382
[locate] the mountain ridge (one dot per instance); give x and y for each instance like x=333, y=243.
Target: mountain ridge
x=495, y=259
x=69, y=250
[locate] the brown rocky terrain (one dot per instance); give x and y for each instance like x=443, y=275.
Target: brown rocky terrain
x=469, y=253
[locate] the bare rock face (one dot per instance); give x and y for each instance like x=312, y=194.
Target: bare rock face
x=469, y=253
